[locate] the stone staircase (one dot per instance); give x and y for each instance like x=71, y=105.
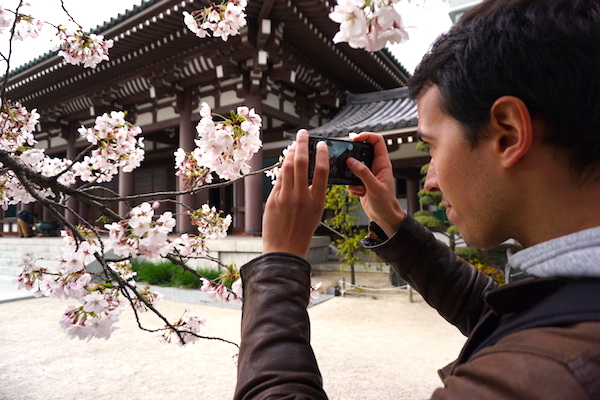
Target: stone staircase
x=46, y=249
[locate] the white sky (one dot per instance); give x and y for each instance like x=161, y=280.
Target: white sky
x=423, y=25
x=90, y=13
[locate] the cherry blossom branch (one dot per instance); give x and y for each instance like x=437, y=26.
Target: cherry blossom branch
x=64, y=8
x=180, y=333
x=177, y=193
x=28, y=175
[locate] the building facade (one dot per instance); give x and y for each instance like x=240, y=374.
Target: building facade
x=284, y=65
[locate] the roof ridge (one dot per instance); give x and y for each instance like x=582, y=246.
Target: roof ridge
x=383, y=95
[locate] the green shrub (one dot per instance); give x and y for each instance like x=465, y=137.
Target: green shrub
x=471, y=254
x=423, y=213
x=431, y=222
x=497, y=255
x=154, y=273
x=491, y=271
x=165, y=273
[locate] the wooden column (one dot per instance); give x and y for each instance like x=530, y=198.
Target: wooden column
x=186, y=142
x=238, y=207
x=125, y=189
x=71, y=155
x=412, y=197
x=253, y=185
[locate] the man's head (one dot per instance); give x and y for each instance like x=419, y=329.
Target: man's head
x=544, y=52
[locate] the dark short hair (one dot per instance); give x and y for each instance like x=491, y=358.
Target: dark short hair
x=545, y=52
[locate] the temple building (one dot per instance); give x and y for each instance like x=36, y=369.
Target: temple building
x=283, y=64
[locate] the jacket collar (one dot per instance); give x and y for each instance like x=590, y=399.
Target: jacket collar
x=516, y=296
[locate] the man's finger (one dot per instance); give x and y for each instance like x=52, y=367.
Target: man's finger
x=321, y=172
x=301, y=159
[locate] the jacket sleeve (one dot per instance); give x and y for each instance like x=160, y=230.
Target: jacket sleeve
x=276, y=360
x=447, y=282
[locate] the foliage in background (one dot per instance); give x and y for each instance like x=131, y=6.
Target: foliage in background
x=165, y=273
x=343, y=220
x=491, y=261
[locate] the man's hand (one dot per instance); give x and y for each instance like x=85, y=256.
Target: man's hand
x=294, y=209
x=377, y=196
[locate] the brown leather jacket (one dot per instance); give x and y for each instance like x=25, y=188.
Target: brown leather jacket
x=276, y=360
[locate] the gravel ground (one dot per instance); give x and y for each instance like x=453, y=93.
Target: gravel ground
x=379, y=346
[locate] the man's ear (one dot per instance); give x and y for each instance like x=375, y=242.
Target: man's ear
x=512, y=129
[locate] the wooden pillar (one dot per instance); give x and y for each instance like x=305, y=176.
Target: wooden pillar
x=238, y=207
x=253, y=185
x=125, y=189
x=412, y=197
x=71, y=155
x=186, y=142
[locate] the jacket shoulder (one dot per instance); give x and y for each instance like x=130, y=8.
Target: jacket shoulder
x=564, y=362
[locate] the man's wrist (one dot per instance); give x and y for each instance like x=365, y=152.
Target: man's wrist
x=392, y=224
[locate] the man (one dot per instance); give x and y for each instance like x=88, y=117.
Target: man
x=509, y=103
x=25, y=220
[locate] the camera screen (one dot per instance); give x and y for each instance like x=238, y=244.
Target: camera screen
x=339, y=151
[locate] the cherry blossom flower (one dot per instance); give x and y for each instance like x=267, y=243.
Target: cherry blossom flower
x=5, y=19
x=227, y=145
x=118, y=147
x=78, y=47
x=226, y=288
x=141, y=234
x=95, y=318
x=314, y=293
x=368, y=24
x=223, y=147
x=274, y=172
x=31, y=275
x=27, y=27
x=210, y=223
x=189, y=167
x=12, y=190
x=89, y=235
x=16, y=126
x=94, y=303
x=189, y=326
x=238, y=288
x=222, y=19
x=151, y=297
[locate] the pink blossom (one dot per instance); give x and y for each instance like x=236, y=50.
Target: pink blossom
x=210, y=223
x=189, y=326
x=77, y=47
x=353, y=23
x=118, y=147
x=368, y=25
x=150, y=296
x=238, y=288
x=27, y=27
x=5, y=19
x=222, y=19
x=94, y=303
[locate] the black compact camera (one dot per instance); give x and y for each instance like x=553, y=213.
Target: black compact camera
x=339, y=151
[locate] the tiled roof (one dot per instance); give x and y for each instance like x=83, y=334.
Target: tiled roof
x=372, y=112
x=151, y=39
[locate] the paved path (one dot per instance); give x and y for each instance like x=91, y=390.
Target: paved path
x=378, y=347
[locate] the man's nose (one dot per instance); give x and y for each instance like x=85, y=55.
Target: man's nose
x=431, y=184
